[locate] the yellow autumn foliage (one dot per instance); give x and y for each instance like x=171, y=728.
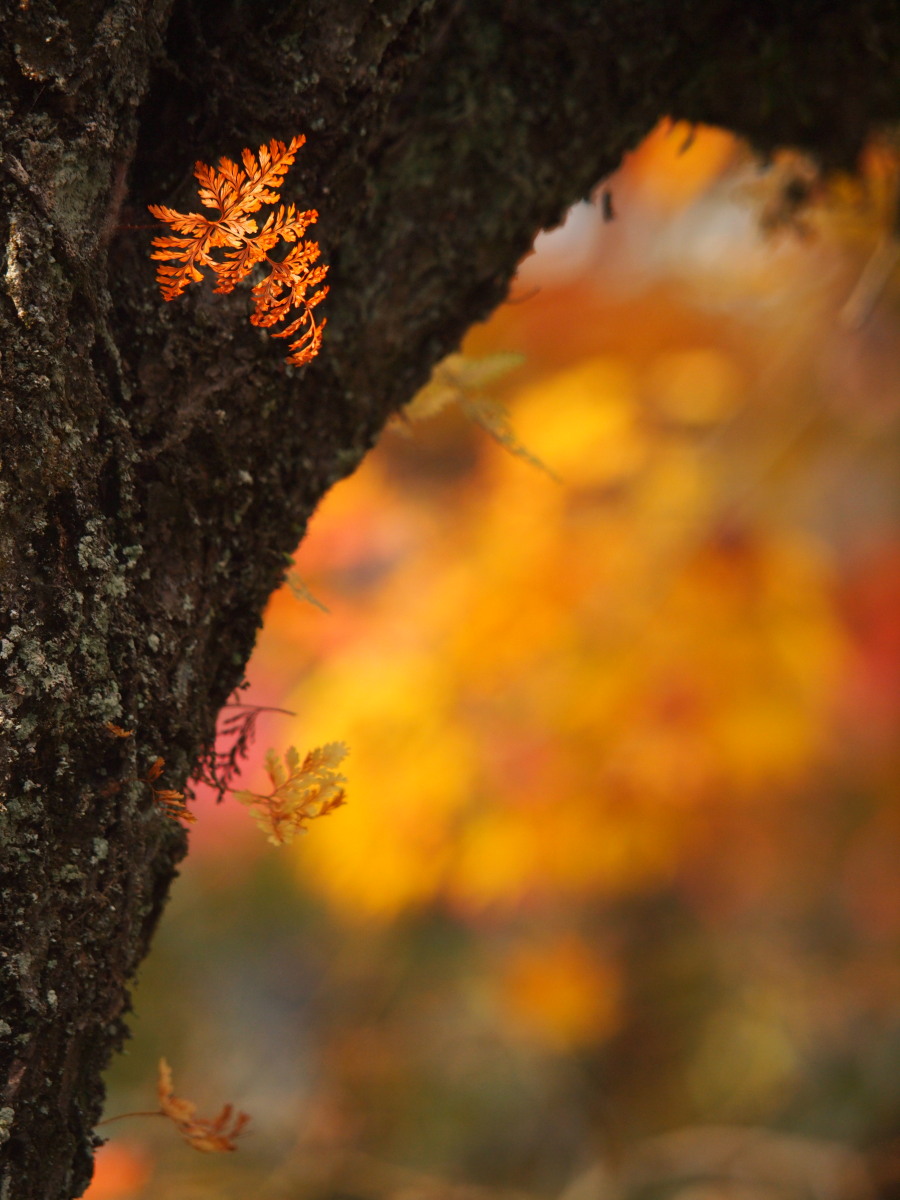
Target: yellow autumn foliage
x=553, y=683
x=621, y=842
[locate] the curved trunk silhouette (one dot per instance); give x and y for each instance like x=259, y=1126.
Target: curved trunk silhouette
x=159, y=461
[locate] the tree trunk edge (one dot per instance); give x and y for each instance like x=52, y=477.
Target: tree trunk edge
x=476, y=129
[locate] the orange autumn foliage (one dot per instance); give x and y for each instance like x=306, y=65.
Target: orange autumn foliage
x=291, y=283
x=614, y=657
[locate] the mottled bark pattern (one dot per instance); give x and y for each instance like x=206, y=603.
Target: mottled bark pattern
x=158, y=462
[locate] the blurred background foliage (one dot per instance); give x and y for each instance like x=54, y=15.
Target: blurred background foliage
x=614, y=907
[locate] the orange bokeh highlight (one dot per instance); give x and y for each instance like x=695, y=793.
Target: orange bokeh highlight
x=121, y=1170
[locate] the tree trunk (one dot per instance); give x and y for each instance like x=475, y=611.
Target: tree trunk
x=159, y=461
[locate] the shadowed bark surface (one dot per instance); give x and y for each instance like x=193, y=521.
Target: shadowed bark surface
x=158, y=462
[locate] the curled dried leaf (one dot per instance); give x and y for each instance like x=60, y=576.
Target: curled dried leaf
x=117, y=731
x=155, y=770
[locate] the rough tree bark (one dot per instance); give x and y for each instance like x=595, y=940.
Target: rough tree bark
x=159, y=461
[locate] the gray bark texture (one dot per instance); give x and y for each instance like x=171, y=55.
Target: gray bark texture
x=158, y=462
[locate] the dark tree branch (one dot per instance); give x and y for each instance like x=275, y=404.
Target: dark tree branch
x=159, y=462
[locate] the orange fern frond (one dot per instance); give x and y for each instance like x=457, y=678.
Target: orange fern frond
x=300, y=791
x=171, y=802
x=173, y=805
x=211, y=1136
x=292, y=285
